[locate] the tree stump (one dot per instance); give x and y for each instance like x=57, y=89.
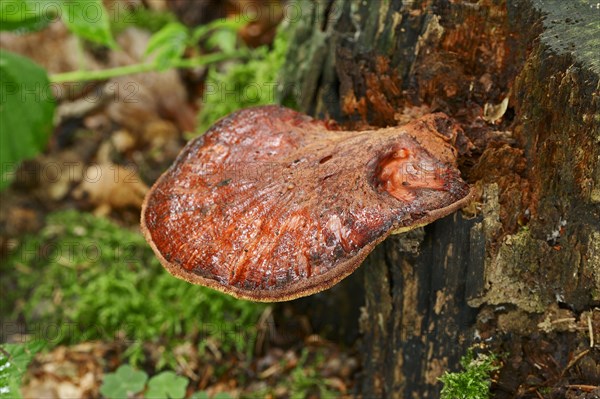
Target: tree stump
x=519, y=270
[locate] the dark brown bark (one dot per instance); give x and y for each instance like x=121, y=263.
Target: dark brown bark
x=528, y=253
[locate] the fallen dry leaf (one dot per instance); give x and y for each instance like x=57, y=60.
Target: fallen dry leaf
x=108, y=186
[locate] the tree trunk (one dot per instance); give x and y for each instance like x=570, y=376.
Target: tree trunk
x=520, y=269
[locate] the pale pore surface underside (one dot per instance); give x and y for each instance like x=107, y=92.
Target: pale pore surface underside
x=271, y=205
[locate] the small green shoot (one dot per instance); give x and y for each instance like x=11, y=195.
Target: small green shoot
x=168, y=44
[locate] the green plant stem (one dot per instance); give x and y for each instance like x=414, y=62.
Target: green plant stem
x=81, y=76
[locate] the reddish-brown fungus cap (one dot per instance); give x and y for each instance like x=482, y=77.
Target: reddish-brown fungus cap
x=271, y=205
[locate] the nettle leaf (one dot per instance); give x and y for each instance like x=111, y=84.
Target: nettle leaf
x=166, y=385
x=26, y=15
x=168, y=44
x=88, y=19
x=124, y=382
x=26, y=112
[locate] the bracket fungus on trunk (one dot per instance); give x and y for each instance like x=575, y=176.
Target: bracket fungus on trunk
x=272, y=205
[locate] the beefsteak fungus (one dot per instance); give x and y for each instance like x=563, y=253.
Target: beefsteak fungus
x=272, y=205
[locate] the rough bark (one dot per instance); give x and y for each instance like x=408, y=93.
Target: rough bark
x=522, y=77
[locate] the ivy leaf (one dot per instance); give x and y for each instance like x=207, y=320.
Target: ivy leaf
x=168, y=44
x=26, y=112
x=122, y=383
x=88, y=19
x=166, y=385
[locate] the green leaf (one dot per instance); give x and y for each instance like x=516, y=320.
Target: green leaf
x=221, y=33
x=166, y=385
x=124, y=382
x=224, y=39
x=14, y=359
x=26, y=112
x=168, y=44
x=88, y=19
x=21, y=354
x=219, y=24
x=26, y=15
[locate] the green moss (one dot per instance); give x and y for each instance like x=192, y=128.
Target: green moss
x=474, y=381
x=572, y=27
x=244, y=84
x=84, y=278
